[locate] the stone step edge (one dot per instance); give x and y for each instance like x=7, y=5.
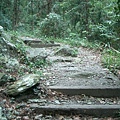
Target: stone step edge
x=43, y=45
x=94, y=110
x=90, y=91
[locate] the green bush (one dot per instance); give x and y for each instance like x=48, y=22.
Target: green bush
x=105, y=34
x=111, y=59
x=53, y=25
x=5, y=22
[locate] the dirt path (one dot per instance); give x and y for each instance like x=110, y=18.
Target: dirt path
x=83, y=70
x=78, y=76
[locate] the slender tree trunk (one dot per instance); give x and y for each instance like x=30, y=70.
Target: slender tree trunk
x=15, y=14
x=32, y=13
x=49, y=6
x=38, y=10
x=1, y=6
x=87, y=15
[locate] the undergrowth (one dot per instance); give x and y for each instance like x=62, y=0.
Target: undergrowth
x=27, y=65
x=111, y=59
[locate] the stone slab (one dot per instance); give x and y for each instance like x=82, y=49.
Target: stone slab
x=28, y=39
x=90, y=91
x=94, y=110
x=42, y=45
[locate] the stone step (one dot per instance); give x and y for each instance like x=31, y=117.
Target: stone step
x=89, y=91
x=41, y=45
x=94, y=110
x=28, y=40
x=32, y=41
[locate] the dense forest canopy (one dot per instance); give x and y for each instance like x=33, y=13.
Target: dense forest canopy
x=88, y=19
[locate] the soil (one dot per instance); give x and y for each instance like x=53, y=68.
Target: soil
x=84, y=70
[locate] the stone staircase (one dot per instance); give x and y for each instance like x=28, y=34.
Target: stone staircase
x=97, y=82
x=101, y=109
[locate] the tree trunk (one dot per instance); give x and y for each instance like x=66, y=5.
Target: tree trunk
x=49, y=6
x=15, y=15
x=32, y=13
x=87, y=15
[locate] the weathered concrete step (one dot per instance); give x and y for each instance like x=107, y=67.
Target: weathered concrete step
x=90, y=91
x=94, y=110
x=29, y=40
x=32, y=41
x=41, y=45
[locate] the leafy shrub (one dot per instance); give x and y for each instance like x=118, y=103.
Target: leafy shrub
x=99, y=32
x=52, y=25
x=5, y=22
x=104, y=34
x=111, y=59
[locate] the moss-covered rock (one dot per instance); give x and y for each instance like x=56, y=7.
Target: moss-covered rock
x=24, y=83
x=67, y=51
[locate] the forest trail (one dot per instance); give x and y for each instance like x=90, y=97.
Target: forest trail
x=71, y=87
x=84, y=70
x=82, y=77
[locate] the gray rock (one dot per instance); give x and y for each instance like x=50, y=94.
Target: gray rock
x=3, y=59
x=6, y=47
x=67, y=51
x=24, y=83
x=37, y=101
x=38, y=117
x=39, y=57
x=12, y=64
x=7, y=43
x=37, y=54
x=48, y=117
x=57, y=102
x=26, y=118
x=1, y=30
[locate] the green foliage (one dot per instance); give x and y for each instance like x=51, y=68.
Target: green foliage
x=41, y=63
x=5, y=22
x=95, y=20
x=100, y=32
x=75, y=12
x=87, y=23
x=103, y=26
x=52, y=25
x=103, y=33
x=111, y=59
x=75, y=41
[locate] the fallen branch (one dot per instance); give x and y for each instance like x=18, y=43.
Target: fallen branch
x=115, y=50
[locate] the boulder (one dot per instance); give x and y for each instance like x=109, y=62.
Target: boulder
x=12, y=63
x=24, y=83
x=1, y=30
x=35, y=54
x=67, y=51
x=3, y=59
x=5, y=42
